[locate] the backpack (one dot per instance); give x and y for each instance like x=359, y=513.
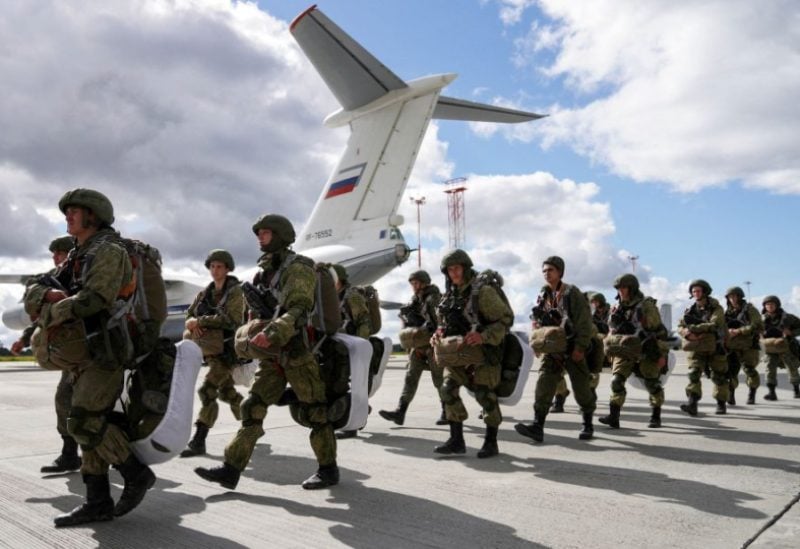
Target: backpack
x=484, y=278
x=370, y=295
x=326, y=316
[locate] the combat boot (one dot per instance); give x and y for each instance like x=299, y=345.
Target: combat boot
x=731, y=397
x=139, y=478
x=722, y=409
x=796, y=390
x=442, y=417
x=612, y=419
x=587, y=430
x=226, y=475
x=196, y=446
x=558, y=404
x=398, y=416
x=771, y=394
x=351, y=433
x=98, y=505
x=454, y=444
x=489, y=447
x=655, y=418
x=691, y=406
x=326, y=475
x=535, y=430
x=751, y=396
x=69, y=460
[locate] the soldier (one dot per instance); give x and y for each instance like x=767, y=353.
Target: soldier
x=479, y=315
x=290, y=278
x=702, y=327
x=419, y=322
x=355, y=318
x=68, y=460
x=780, y=329
x=635, y=329
x=211, y=321
x=563, y=307
x=744, y=329
x=93, y=275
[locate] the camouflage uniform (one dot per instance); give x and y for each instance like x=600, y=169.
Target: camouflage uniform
x=355, y=313
x=708, y=318
x=774, y=324
x=747, y=321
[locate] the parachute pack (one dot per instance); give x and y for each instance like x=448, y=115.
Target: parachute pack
x=484, y=278
x=370, y=295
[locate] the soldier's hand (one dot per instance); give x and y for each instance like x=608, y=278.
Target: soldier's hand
x=662, y=362
x=261, y=340
x=473, y=338
x=577, y=355
x=787, y=332
x=54, y=296
x=17, y=346
x=733, y=332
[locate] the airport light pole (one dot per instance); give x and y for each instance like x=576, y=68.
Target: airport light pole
x=632, y=259
x=747, y=283
x=419, y=201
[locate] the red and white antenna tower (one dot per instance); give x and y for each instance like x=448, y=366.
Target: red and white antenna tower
x=456, y=214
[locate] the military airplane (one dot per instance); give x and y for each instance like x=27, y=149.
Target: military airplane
x=355, y=221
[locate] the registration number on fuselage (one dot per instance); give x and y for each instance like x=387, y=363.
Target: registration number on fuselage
x=319, y=235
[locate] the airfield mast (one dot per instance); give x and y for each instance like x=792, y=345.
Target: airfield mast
x=419, y=201
x=456, y=214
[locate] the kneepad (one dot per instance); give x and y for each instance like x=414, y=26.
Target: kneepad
x=486, y=397
x=253, y=410
x=448, y=392
x=618, y=383
x=87, y=428
x=208, y=393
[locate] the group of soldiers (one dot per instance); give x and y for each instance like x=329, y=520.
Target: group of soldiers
x=459, y=336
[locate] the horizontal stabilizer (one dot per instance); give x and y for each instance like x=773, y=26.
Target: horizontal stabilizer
x=450, y=108
x=14, y=278
x=353, y=74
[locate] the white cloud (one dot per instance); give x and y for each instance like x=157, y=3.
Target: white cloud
x=694, y=94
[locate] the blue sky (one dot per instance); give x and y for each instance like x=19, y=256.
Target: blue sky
x=672, y=132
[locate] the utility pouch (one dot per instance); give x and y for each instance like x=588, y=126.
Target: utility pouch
x=549, y=339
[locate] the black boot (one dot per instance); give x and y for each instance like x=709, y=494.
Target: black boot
x=751, y=396
x=655, y=418
x=612, y=419
x=346, y=434
x=398, y=416
x=535, y=430
x=69, y=460
x=587, y=430
x=442, y=417
x=454, y=444
x=98, y=505
x=139, y=478
x=771, y=394
x=691, y=406
x=196, y=446
x=558, y=404
x=796, y=390
x=326, y=475
x=722, y=409
x=489, y=447
x=731, y=397
x=225, y=475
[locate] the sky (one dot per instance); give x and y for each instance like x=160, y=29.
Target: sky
x=672, y=133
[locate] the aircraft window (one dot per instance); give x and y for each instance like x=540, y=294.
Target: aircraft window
x=394, y=234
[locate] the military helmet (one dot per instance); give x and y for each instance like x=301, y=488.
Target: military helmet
x=456, y=257
x=627, y=280
x=772, y=299
x=703, y=284
x=556, y=262
x=223, y=256
x=91, y=199
x=62, y=244
x=422, y=276
x=735, y=290
x=282, y=231
x=599, y=297
x=341, y=272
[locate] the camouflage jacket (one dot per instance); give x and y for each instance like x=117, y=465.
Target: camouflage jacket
x=600, y=320
x=780, y=320
x=355, y=314
x=710, y=319
x=747, y=318
x=495, y=317
x=572, y=304
x=221, y=309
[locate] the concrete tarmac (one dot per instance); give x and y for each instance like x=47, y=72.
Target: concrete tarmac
x=710, y=481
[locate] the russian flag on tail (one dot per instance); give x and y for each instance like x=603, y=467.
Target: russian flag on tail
x=346, y=180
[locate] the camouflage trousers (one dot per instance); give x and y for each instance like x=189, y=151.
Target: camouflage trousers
x=774, y=361
x=563, y=390
x=302, y=373
x=94, y=392
x=646, y=369
x=717, y=365
x=218, y=384
x=482, y=381
x=420, y=360
x=551, y=373
x=747, y=360
x=63, y=401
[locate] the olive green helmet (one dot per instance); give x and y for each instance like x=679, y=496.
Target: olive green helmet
x=62, y=244
x=772, y=299
x=627, y=280
x=703, y=284
x=91, y=199
x=556, y=262
x=456, y=257
x=282, y=231
x=341, y=272
x=597, y=296
x=735, y=290
x=223, y=256
x=422, y=276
